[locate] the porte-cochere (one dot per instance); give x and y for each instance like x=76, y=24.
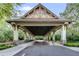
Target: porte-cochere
x=40, y=21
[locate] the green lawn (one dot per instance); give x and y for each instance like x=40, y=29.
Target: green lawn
x=4, y=46
x=72, y=44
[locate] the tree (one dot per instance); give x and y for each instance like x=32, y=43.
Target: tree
x=7, y=10
x=72, y=13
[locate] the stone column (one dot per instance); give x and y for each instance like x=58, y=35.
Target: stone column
x=45, y=38
x=25, y=35
x=15, y=32
x=49, y=37
x=54, y=36
x=63, y=34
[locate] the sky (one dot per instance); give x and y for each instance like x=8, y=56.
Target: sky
x=56, y=8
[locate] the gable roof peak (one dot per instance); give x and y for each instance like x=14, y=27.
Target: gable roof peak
x=40, y=5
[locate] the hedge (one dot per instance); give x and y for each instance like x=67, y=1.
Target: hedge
x=72, y=44
x=4, y=46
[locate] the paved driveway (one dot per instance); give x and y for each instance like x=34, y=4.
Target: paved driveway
x=47, y=50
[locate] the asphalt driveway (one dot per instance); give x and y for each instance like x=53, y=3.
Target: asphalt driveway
x=47, y=50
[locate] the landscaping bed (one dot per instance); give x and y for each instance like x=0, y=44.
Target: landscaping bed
x=5, y=46
x=28, y=41
x=72, y=44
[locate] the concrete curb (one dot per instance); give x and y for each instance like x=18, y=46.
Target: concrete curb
x=71, y=48
x=27, y=45
x=15, y=50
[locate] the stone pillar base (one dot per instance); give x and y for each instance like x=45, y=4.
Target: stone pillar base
x=63, y=42
x=63, y=34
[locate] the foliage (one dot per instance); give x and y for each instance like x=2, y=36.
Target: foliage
x=57, y=37
x=21, y=34
x=7, y=10
x=72, y=44
x=72, y=35
x=72, y=38
x=39, y=37
x=6, y=35
x=72, y=13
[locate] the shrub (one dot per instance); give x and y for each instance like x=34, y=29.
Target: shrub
x=4, y=46
x=21, y=35
x=6, y=35
x=72, y=44
x=39, y=37
x=1, y=37
x=72, y=38
x=72, y=35
x=57, y=37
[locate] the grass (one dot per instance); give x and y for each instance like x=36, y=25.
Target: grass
x=4, y=46
x=72, y=44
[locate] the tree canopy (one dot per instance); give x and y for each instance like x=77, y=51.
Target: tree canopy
x=7, y=10
x=71, y=11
